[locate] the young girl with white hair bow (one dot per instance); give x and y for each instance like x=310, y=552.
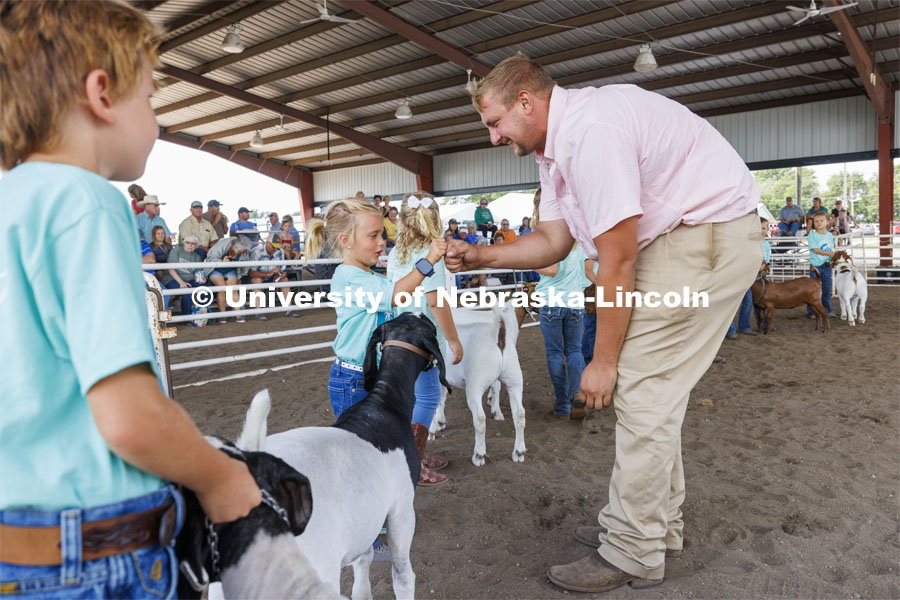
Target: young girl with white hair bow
x=420, y=223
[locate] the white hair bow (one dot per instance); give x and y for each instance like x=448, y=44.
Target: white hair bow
x=415, y=203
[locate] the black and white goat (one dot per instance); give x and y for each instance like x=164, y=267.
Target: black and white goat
x=363, y=469
x=255, y=556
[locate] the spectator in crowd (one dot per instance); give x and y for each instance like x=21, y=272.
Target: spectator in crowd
x=137, y=194
x=376, y=200
x=842, y=224
x=360, y=195
x=274, y=223
x=386, y=205
x=232, y=249
x=815, y=209
x=525, y=227
x=472, y=237
x=150, y=218
x=509, y=235
x=270, y=250
x=484, y=220
x=161, y=246
x=295, y=235
x=147, y=255
x=790, y=217
x=183, y=277
x=200, y=228
x=242, y=223
x=288, y=241
x=453, y=228
x=821, y=251
x=390, y=228
x=216, y=218
x=835, y=213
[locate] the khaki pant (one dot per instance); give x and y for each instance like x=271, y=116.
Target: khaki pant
x=665, y=353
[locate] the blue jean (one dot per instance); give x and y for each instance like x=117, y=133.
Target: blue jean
x=562, y=329
x=345, y=388
x=150, y=572
x=589, y=337
x=791, y=228
x=224, y=273
x=743, y=314
x=186, y=303
x=825, y=271
x=428, y=396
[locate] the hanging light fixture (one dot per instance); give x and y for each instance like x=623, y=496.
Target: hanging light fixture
x=232, y=41
x=257, y=140
x=471, y=84
x=280, y=127
x=645, y=60
x=403, y=110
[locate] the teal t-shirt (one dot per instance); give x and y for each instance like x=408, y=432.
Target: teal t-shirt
x=72, y=311
x=355, y=324
x=397, y=271
x=569, y=276
x=767, y=251
x=822, y=242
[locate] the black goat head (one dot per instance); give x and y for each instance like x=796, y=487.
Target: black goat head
x=412, y=328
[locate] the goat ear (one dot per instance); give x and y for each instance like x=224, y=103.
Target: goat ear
x=370, y=364
x=294, y=494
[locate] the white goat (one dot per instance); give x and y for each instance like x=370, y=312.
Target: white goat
x=490, y=358
x=363, y=469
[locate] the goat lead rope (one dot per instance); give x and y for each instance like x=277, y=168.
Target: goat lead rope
x=213, y=539
x=269, y=501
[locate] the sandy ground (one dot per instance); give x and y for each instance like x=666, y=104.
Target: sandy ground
x=791, y=453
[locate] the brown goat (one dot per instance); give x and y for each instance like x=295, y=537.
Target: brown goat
x=790, y=294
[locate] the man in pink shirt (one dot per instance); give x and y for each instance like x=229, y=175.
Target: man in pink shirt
x=661, y=201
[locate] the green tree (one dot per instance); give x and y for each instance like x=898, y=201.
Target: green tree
x=777, y=184
x=861, y=195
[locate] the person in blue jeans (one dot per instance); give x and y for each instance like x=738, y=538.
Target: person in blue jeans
x=821, y=251
x=420, y=222
x=88, y=440
x=563, y=328
x=790, y=217
x=590, y=317
x=743, y=318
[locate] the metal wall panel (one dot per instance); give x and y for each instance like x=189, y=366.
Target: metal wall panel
x=382, y=178
x=482, y=169
x=896, y=119
x=821, y=128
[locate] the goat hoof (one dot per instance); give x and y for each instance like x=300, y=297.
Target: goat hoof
x=518, y=456
x=852, y=324
x=478, y=460
x=430, y=436
x=843, y=317
x=861, y=320
x=498, y=416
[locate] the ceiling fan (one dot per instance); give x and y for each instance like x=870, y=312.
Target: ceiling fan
x=324, y=15
x=812, y=11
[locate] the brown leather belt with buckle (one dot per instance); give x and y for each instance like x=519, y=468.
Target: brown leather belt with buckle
x=40, y=546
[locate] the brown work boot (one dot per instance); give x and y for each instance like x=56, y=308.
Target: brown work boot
x=589, y=535
x=593, y=574
x=427, y=477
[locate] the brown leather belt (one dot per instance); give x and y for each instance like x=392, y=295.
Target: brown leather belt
x=40, y=546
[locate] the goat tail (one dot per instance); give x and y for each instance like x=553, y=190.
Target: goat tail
x=253, y=436
x=818, y=275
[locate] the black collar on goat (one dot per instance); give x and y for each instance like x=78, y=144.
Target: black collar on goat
x=288, y=491
x=383, y=417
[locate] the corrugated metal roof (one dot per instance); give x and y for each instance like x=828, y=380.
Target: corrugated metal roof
x=305, y=61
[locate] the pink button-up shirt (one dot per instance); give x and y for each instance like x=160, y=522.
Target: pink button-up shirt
x=619, y=151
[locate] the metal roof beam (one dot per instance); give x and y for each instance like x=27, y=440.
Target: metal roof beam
x=396, y=154
x=341, y=55
x=877, y=88
x=668, y=59
x=793, y=101
x=415, y=34
x=220, y=23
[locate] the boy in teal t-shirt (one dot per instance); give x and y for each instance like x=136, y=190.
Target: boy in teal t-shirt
x=821, y=251
x=87, y=434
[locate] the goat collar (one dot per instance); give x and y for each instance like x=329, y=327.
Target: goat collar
x=408, y=346
x=212, y=538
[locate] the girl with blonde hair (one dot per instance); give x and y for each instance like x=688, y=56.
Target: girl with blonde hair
x=419, y=225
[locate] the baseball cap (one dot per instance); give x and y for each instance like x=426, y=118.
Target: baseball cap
x=150, y=199
x=243, y=209
x=275, y=240
x=273, y=214
x=213, y=203
x=452, y=222
x=196, y=204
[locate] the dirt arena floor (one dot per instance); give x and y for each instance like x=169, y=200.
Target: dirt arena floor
x=791, y=453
